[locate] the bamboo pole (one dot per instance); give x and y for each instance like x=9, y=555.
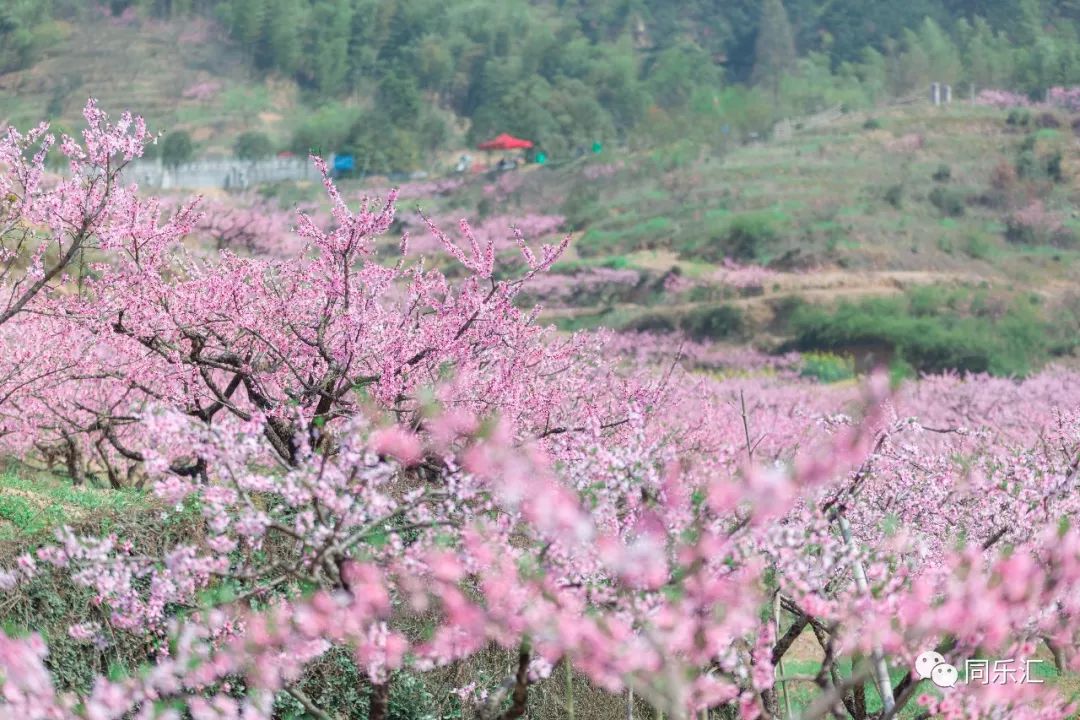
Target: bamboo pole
x=880, y=668
x=569, y=688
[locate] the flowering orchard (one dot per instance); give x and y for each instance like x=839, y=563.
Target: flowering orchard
x=1066, y=98
x=402, y=464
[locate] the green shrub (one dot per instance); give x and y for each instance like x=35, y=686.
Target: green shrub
x=714, y=323
x=827, y=367
x=1019, y=233
x=930, y=300
x=1054, y=169
x=411, y=699
x=834, y=235
x=381, y=148
x=325, y=131
x=977, y=246
x=650, y=231
x=253, y=145
x=616, y=262
x=746, y=237
x=872, y=124
x=581, y=206
x=484, y=208
x=1018, y=118
x=577, y=265
x=150, y=152
x=783, y=310
x=1048, y=120
x=894, y=195
x=943, y=173
x=651, y=322
x=600, y=242
x=672, y=157
x=335, y=684
x=1027, y=164
x=951, y=202
x=927, y=334
x=899, y=370
x=709, y=323
x=177, y=148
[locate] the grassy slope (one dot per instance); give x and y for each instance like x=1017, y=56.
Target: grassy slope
x=824, y=191
x=147, y=67
x=32, y=506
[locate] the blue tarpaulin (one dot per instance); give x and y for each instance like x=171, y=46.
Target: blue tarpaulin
x=344, y=163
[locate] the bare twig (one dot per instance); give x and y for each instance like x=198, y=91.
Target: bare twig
x=310, y=706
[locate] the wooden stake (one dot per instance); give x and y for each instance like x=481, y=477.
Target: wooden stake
x=780, y=665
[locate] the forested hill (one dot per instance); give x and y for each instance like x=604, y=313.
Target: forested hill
x=395, y=79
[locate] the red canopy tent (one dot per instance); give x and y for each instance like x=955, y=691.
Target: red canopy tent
x=503, y=141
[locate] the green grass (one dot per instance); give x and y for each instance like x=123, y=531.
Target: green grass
x=614, y=262
x=827, y=368
x=29, y=506
x=803, y=693
x=932, y=330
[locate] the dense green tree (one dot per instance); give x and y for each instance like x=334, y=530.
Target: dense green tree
x=327, y=52
x=434, y=63
x=856, y=24
x=640, y=71
x=279, y=46
x=326, y=130
x=253, y=145
x=943, y=57
x=925, y=55
x=678, y=71
x=614, y=78
x=398, y=98
x=381, y=148
x=774, y=50
x=988, y=57
x=245, y=19
x=872, y=73
x=177, y=148
x=23, y=32
x=367, y=26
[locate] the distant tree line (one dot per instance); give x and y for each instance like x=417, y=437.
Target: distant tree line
x=568, y=72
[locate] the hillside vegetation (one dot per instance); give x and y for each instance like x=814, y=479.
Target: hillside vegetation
x=959, y=224
x=937, y=229
x=397, y=82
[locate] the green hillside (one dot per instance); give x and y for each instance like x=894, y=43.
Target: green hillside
x=400, y=81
